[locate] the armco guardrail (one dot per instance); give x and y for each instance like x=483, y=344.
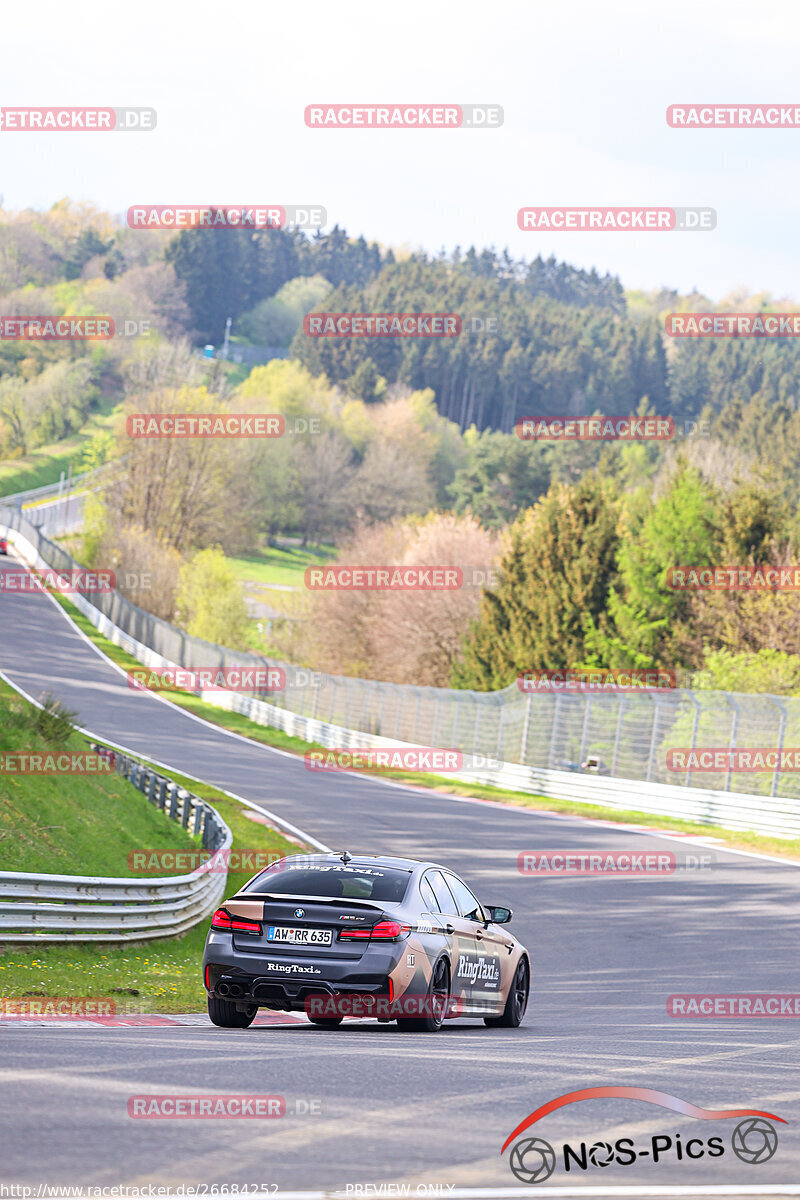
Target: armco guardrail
x=57, y=508
x=84, y=908
x=86, y=479
x=538, y=741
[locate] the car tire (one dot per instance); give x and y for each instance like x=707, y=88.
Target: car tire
x=517, y=1001
x=326, y=1022
x=225, y=1013
x=439, y=996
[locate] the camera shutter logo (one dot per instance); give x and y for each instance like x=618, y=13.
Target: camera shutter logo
x=754, y=1140
x=601, y=1154
x=533, y=1160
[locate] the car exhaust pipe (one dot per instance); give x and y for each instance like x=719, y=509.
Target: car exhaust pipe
x=235, y=989
x=222, y=989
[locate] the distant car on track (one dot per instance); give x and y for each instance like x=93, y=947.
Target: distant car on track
x=3, y=545
x=326, y=933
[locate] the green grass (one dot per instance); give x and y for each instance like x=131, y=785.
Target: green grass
x=45, y=464
x=162, y=975
x=281, y=565
x=158, y=975
x=743, y=840
x=71, y=824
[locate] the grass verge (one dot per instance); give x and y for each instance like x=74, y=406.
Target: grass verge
x=45, y=464
x=86, y=825
x=281, y=565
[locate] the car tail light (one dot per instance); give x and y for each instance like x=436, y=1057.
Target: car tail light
x=223, y=920
x=384, y=931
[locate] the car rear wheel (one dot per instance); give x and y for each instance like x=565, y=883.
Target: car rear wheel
x=225, y=1013
x=517, y=1000
x=326, y=1022
x=437, y=1001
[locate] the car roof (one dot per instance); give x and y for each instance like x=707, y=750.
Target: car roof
x=371, y=860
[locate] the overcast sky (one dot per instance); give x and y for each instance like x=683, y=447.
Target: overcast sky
x=584, y=86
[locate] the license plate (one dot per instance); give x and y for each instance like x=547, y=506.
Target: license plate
x=300, y=937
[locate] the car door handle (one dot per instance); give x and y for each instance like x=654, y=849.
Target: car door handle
x=449, y=929
x=478, y=937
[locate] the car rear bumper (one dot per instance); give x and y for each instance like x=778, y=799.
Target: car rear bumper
x=279, y=982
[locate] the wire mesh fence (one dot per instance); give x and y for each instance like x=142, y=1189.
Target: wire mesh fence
x=625, y=734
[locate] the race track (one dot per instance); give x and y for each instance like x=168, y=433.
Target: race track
x=400, y=1107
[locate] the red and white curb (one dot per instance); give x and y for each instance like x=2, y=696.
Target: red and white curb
x=137, y=1019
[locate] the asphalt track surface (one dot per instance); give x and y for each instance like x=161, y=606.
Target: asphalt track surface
x=415, y=1108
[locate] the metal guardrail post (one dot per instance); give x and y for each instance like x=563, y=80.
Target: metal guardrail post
x=732, y=742
x=554, y=731
x=435, y=731
x=186, y=803
x=526, y=724
x=173, y=800
x=398, y=712
x=781, y=733
x=151, y=791
x=379, y=724
x=476, y=731
x=587, y=715
x=199, y=817
x=618, y=733
x=162, y=794
x=500, y=731
x=651, y=756
x=695, y=723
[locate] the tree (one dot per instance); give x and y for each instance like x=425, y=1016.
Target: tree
x=644, y=615
x=210, y=603
x=500, y=477
x=557, y=570
x=408, y=637
x=228, y=271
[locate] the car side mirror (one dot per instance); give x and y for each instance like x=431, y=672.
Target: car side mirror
x=500, y=916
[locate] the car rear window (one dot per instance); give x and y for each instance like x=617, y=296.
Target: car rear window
x=333, y=881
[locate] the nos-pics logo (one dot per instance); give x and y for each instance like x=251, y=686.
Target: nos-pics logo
x=533, y=1160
